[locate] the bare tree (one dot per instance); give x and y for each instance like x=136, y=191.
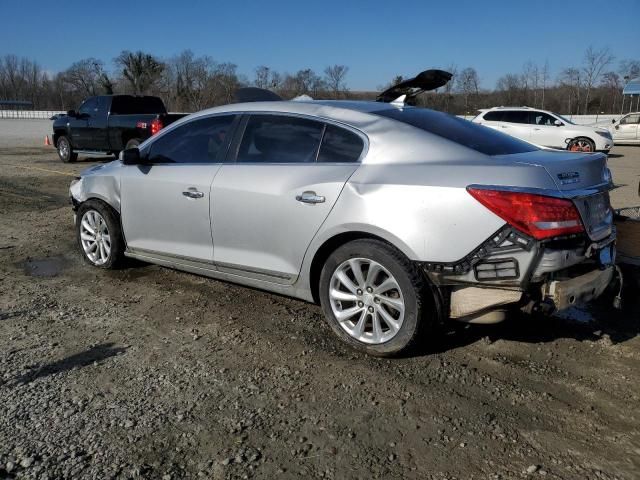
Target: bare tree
x=335, y=79
x=468, y=84
x=629, y=68
x=544, y=74
x=141, y=70
x=571, y=79
x=595, y=61
x=512, y=87
x=87, y=76
x=262, y=77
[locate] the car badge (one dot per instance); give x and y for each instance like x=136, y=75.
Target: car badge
x=567, y=178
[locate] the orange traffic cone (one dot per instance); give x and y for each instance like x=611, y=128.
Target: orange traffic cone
x=47, y=142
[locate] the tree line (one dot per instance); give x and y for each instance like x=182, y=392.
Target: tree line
x=187, y=82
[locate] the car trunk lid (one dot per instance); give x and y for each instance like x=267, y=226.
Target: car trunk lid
x=582, y=178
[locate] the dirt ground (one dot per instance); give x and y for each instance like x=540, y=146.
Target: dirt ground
x=147, y=372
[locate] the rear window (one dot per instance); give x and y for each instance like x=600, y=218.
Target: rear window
x=481, y=139
x=128, y=105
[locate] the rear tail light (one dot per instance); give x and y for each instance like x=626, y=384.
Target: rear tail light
x=536, y=215
x=156, y=126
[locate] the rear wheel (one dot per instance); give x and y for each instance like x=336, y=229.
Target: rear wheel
x=374, y=298
x=581, y=144
x=99, y=234
x=65, y=150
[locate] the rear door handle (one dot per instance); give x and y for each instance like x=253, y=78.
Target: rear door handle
x=193, y=193
x=310, y=197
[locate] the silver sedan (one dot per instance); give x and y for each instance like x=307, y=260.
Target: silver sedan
x=392, y=218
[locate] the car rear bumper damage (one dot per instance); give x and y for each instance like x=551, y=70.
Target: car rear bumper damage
x=512, y=271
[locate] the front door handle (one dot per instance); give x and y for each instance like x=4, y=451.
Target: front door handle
x=310, y=197
x=193, y=193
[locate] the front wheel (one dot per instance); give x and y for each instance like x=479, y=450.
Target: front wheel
x=99, y=234
x=65, y=150
x=581, y=145
x=374, y=298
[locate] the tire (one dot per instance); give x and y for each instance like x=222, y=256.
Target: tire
x=133, y=143
x=65, y=150
x=359, y=330
x=581, y=144
x=92, y=214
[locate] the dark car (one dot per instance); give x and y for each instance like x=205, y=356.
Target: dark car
x=107, y=124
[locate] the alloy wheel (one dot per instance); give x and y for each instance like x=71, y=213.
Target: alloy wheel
x=95, y=238
x=366, y=300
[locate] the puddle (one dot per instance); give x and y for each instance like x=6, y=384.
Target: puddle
x=575, y=314
x=45, y=267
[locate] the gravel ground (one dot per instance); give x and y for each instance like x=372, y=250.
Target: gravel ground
x=147, y=372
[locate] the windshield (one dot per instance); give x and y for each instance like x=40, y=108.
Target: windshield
x=463, y=132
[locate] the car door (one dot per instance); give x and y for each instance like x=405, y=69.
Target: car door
x=79, y=124
x=545, y=132
x=516, y=124
x=165, y=203
x=97, y=126
x=627, y=128
x=268, y=204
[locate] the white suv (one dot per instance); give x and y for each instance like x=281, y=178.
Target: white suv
x=626, y=130
x=546, y=129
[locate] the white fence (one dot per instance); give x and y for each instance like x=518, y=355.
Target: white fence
x=29, y=114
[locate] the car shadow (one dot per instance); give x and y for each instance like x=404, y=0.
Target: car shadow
x=600, y=321
x=97, y=353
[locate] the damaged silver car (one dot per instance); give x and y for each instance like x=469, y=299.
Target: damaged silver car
x=392, y=218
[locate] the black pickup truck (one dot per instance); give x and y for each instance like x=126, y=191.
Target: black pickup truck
x=107, y=124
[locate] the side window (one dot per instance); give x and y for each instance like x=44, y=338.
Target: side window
x=494, y=116
x=280, y=139
x=540, y=118
x=340, y=145
x=89, y=106
x=101, y=107
x=199, y=141
x=516, y=116
x=630, y=119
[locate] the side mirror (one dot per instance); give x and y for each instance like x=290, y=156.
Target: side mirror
x=613, y=120
x=558, y=123
x=72, y=113
x=131, y=156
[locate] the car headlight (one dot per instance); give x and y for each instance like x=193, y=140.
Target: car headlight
x=606, y=135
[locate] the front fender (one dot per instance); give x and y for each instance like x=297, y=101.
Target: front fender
x=101, y=182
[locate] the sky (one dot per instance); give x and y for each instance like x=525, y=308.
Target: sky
x=375, y=39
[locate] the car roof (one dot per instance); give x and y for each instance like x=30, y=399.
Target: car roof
x=347, y=111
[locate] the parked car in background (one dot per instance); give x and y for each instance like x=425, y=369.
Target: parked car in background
x=393, y=218
x=626, y=130
x=108, y=124
x=546, y=129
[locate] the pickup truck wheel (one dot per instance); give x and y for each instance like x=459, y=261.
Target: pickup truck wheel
x=374, y=298
x=65, y=150
x=99, y=234
x=133, y=143
x=581, y=144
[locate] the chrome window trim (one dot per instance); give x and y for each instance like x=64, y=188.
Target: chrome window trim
x=363, y=136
